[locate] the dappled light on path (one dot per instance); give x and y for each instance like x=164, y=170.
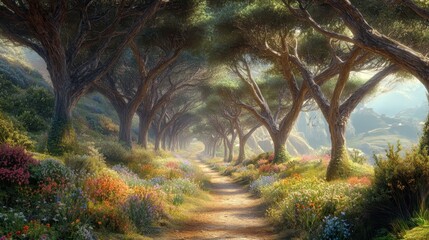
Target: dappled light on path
x=232, y=213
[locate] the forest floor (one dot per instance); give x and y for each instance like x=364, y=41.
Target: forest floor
x=230, y=213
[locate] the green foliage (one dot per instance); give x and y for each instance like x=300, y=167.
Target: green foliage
x=52, y=169
x=113, y=152
x=11, y=135
x=31, y=105
x=399, y=192
x=62, y=137
x=424, y=139
x=85, y=164
x=32, y=122
x=303, y=203
x=404, y=178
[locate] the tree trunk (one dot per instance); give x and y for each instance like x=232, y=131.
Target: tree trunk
x=242, y=144
x=158, y=141
x=225, y=150
x=213, y=154
x=339, y=166
x=280, y=153
x=125, y=122
x=144, y=126
x=61, y=136
x=231, y=147
x=424, y=139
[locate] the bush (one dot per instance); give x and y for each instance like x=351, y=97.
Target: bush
x=50, y=177
x=400, y=189
x=106, y=188
x=263, y=181
x=129, y=176
x=113, y=152
x=404, y=179
x=11, y=135
x=53, y=169
x=303, y=203
x=32, y=122
x=14, y=165
x=335, y=228
x=110, y=218
x=144, y=208
x=180, y=186
x=85, y=164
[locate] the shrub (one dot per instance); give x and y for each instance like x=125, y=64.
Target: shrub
x=247, y=176
x=32, y=122
x=107, y=126
x=11, y=220
x=335, y=228
x=129, y=176
x=106, y=188
x=14, y=165
x=263, y=181
x=110, y=218
x=85, y=164
x=357, y=156
x=302, y=203
x=400, y=189
x=51, y=177
x=180, y=186
x=113, y=152
x=404, y=179
x=144, y=208
x=51, y=168
x=11, y=135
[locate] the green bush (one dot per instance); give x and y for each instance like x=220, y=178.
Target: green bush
x=113, y=152
x=32, y=121
x=405, y=179
x=52, y=169
x=400, y=190
x=11, y=135
x=303, y=203
x=85, y=164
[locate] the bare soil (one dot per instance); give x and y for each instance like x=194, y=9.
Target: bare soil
x=232, y=213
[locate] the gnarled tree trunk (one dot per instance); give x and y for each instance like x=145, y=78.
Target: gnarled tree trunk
x=125, y=122
x=61, y=135
x=279, y=142
x=339, y=165
x=144, y=126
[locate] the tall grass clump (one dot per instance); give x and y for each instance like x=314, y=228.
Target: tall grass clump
x=114, y=153
x=400, y=190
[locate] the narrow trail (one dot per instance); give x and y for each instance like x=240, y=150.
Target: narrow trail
x=232, y=213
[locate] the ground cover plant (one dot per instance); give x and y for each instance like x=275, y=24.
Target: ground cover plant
x=82, y=197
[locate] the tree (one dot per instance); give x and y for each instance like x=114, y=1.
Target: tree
x=170, y=114
x=187, y=72
x=337, y=111
x=265, y=32
x=79, y=40
x=367, y=37
x=128, y=86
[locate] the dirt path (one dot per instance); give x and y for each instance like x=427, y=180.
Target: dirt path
x=232, y=213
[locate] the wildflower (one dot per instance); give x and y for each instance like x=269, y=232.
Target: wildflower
x=25, y=228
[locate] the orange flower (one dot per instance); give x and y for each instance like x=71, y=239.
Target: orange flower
x=99, y=223
x=25, y=228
